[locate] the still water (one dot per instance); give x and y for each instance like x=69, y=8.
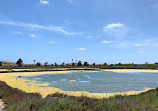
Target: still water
x=99, y=82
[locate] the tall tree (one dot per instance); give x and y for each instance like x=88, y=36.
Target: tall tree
x=34, y=62
x=38, y=64
x=0, y=63
x=79, y=63
x=105, y=64
x=19, y=62
x=46, y=63
x=56, y=64
x=63, y=64
x=86, y=64
x=93, y=64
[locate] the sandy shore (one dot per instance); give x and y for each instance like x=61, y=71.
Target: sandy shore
x=14, y=69
x=34, y=87
x=131, y=70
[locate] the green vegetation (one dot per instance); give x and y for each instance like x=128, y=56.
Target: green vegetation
x=0, y=63
x=19, y=62
x=17, y=100
x=86, y=64
x=38, y=64
x=78, y=65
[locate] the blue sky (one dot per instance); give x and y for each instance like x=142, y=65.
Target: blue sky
x=110, y=31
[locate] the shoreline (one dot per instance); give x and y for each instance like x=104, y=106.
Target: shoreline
x=131, y=70
x=33, y=87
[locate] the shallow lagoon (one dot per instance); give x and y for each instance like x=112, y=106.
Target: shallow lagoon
x=99, y=82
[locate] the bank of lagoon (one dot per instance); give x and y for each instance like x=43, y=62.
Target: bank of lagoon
x=94, y=84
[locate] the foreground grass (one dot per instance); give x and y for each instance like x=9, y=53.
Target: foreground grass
x=18, y=100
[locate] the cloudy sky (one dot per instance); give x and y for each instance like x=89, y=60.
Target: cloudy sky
x=98, y=31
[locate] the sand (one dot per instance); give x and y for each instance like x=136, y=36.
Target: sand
x=131, y=70
x=4, y=70
x=34, y=87
x=14, y=69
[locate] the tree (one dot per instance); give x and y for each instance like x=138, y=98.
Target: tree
x=156, y=63
x=79, y=63
x=63, y=64
x=56, y=64
x=19, y=62
x=52, y=64
x=72, y=60
x=86, y=64
x=46, y=63
x=34, y=61
x=105, y=64
x=38, y=64
x=0, y=63
x=73, y=64
x=119, y=64
x=93, y=64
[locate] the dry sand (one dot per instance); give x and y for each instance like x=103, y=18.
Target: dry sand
x=131, y=70
x=34, y=87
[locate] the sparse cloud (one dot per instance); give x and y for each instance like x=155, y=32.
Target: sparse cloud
x=41, y=27
x=45, y=2
x=81, y=49
x=116, y=29
x=51, y=42
x=110, y=27
x=106, y=42
x=17, y=32
x=137, y=45
x=33, y=35
x=89, y=37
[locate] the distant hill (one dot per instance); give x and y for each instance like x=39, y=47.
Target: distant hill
x=4, y=63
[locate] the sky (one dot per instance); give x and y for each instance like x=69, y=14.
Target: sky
x=111, y=31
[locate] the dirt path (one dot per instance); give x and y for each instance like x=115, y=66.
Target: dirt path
x=2, y=106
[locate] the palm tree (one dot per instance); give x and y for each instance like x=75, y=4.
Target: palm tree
x=34, y=62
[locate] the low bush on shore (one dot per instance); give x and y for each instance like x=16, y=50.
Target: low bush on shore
x=17, y=100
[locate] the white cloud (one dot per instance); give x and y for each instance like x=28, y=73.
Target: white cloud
x=32, y=35
x=81, y=49
x=51, y=42
x=118, y=30
x=137, y=45
x=42, y=27
x=112, y=26
x=89, y=37
x=143, y=44
x=45, y=2
x=106, y=42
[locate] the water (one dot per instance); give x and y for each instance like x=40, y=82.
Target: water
x=99, y=82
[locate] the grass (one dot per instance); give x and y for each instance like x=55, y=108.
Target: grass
x=18, y=100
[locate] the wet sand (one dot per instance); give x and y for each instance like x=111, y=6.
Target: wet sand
x=34, y=87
